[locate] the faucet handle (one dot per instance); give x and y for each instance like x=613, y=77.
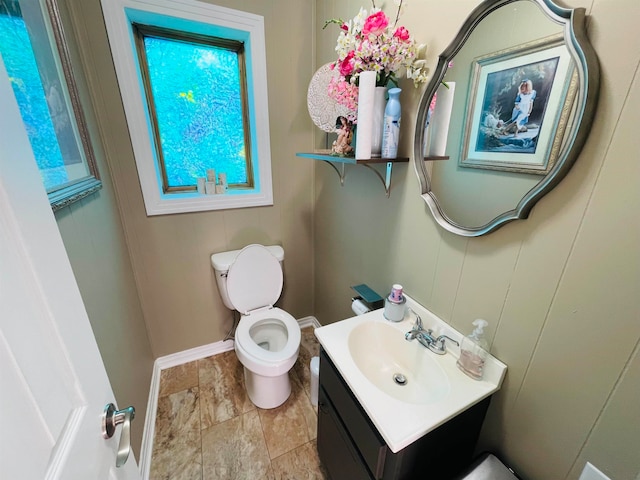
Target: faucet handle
x=418, y=324
x=440, y=341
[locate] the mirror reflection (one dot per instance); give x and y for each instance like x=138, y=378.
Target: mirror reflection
x=520, y=95
x=35, y=53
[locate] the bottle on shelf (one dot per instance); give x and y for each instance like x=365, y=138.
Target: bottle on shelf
x=391, y=124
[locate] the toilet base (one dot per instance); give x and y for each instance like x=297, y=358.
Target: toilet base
x=267, y=392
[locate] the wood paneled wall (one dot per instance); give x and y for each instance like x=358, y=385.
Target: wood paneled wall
x=560, y=290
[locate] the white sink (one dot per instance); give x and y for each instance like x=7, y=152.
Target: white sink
x=406, y=371
x=368, y=350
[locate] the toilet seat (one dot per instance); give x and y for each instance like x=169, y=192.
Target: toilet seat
x=276, y=361
x=254, y=279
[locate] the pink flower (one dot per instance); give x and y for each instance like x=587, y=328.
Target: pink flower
x=346, y=65
x=344, y=93
x=345, y=27
x=375, y=23
x=432, y=105
x=402, y=33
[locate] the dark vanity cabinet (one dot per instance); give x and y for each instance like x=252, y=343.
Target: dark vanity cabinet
x=351, y=448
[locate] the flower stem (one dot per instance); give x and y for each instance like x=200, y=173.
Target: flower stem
x=337, y=21
x=398, y=14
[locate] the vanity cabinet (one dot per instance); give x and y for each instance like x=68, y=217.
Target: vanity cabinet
x=351, y=448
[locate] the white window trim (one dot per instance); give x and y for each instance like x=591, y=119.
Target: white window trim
x=197, y=17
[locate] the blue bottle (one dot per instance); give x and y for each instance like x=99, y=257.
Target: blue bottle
x=391, y=124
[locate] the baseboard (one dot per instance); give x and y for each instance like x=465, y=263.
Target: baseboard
x=146, y=449
x=173, y=360
x=309, y=322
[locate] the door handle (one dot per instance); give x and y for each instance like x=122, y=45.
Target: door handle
x=111, y=418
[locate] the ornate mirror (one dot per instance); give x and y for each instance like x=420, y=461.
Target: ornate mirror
x=526, y=85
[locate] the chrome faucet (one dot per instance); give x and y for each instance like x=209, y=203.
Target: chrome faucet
x=439, y=347
x=426, y=338
x=415, y=330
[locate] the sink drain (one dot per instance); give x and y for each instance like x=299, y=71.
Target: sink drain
x=400, y=379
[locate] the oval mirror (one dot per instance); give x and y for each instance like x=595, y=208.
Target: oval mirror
x=523, y=85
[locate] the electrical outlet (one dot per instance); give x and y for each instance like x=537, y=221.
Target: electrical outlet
x=592, y=473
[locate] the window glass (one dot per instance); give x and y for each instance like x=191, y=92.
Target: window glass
x=197, y=101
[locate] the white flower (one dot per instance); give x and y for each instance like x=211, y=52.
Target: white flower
x=385, y=48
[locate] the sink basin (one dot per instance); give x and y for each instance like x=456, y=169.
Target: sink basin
x=368, y=350
x=405, y=370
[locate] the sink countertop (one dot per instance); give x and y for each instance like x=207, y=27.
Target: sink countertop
x=401, y=423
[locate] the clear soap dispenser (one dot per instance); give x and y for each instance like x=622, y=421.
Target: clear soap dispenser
x=474, y=350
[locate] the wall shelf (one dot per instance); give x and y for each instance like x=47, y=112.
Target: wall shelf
x=332, y=160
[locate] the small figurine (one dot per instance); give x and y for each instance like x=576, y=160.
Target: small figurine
x=342, y=145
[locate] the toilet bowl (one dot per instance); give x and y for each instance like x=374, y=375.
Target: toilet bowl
x=267, y=339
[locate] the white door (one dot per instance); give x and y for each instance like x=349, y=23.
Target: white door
x=53, y=385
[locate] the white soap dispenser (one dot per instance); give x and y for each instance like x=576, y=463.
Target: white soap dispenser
x=474, y=350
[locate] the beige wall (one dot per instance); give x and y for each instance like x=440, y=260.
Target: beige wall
x=560, y=289
x=171, y=253
x=95, y=242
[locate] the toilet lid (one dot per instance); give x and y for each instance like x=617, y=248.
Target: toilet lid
x=254, y=279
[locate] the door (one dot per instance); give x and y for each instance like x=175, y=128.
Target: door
x=53, y=385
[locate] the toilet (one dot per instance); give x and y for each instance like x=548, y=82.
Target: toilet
x=267, y=339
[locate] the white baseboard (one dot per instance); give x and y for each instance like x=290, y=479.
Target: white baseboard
x=146, y=449
x=309, y=322
x=173, y=360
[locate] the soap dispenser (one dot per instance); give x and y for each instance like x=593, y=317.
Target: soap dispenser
x=474, y=350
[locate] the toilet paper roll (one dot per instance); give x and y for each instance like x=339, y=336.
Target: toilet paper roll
x=441, y=119
x=366, y=94
x=359, y=307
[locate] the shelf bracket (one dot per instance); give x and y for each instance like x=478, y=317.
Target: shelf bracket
x=386, y=180
x=333, y=160
x=341, y=172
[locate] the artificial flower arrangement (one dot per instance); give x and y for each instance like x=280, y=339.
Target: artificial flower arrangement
x=369, y=42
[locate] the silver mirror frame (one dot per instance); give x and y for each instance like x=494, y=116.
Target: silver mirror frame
x=79, y=189
x=587, y=69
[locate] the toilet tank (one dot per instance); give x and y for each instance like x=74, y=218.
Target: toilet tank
x=223, y=260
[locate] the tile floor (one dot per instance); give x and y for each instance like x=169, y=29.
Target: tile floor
x=207, y=428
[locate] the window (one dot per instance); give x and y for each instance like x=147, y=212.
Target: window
x=196, y=92
x=193, y=82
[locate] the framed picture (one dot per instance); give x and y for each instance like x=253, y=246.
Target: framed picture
x=519, y=104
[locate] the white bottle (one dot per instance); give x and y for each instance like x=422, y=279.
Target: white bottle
x=391, y=124
x=474, y=351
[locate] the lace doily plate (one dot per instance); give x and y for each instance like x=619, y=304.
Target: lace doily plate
x=324, y=110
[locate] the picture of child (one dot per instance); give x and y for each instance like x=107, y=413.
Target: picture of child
x=522, y=108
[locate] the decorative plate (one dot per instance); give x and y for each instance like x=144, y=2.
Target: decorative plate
x=324, y=110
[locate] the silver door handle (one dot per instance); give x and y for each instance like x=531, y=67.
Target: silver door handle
x=111, y=418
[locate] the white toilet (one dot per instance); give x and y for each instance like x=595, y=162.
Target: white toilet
x=267, y=339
